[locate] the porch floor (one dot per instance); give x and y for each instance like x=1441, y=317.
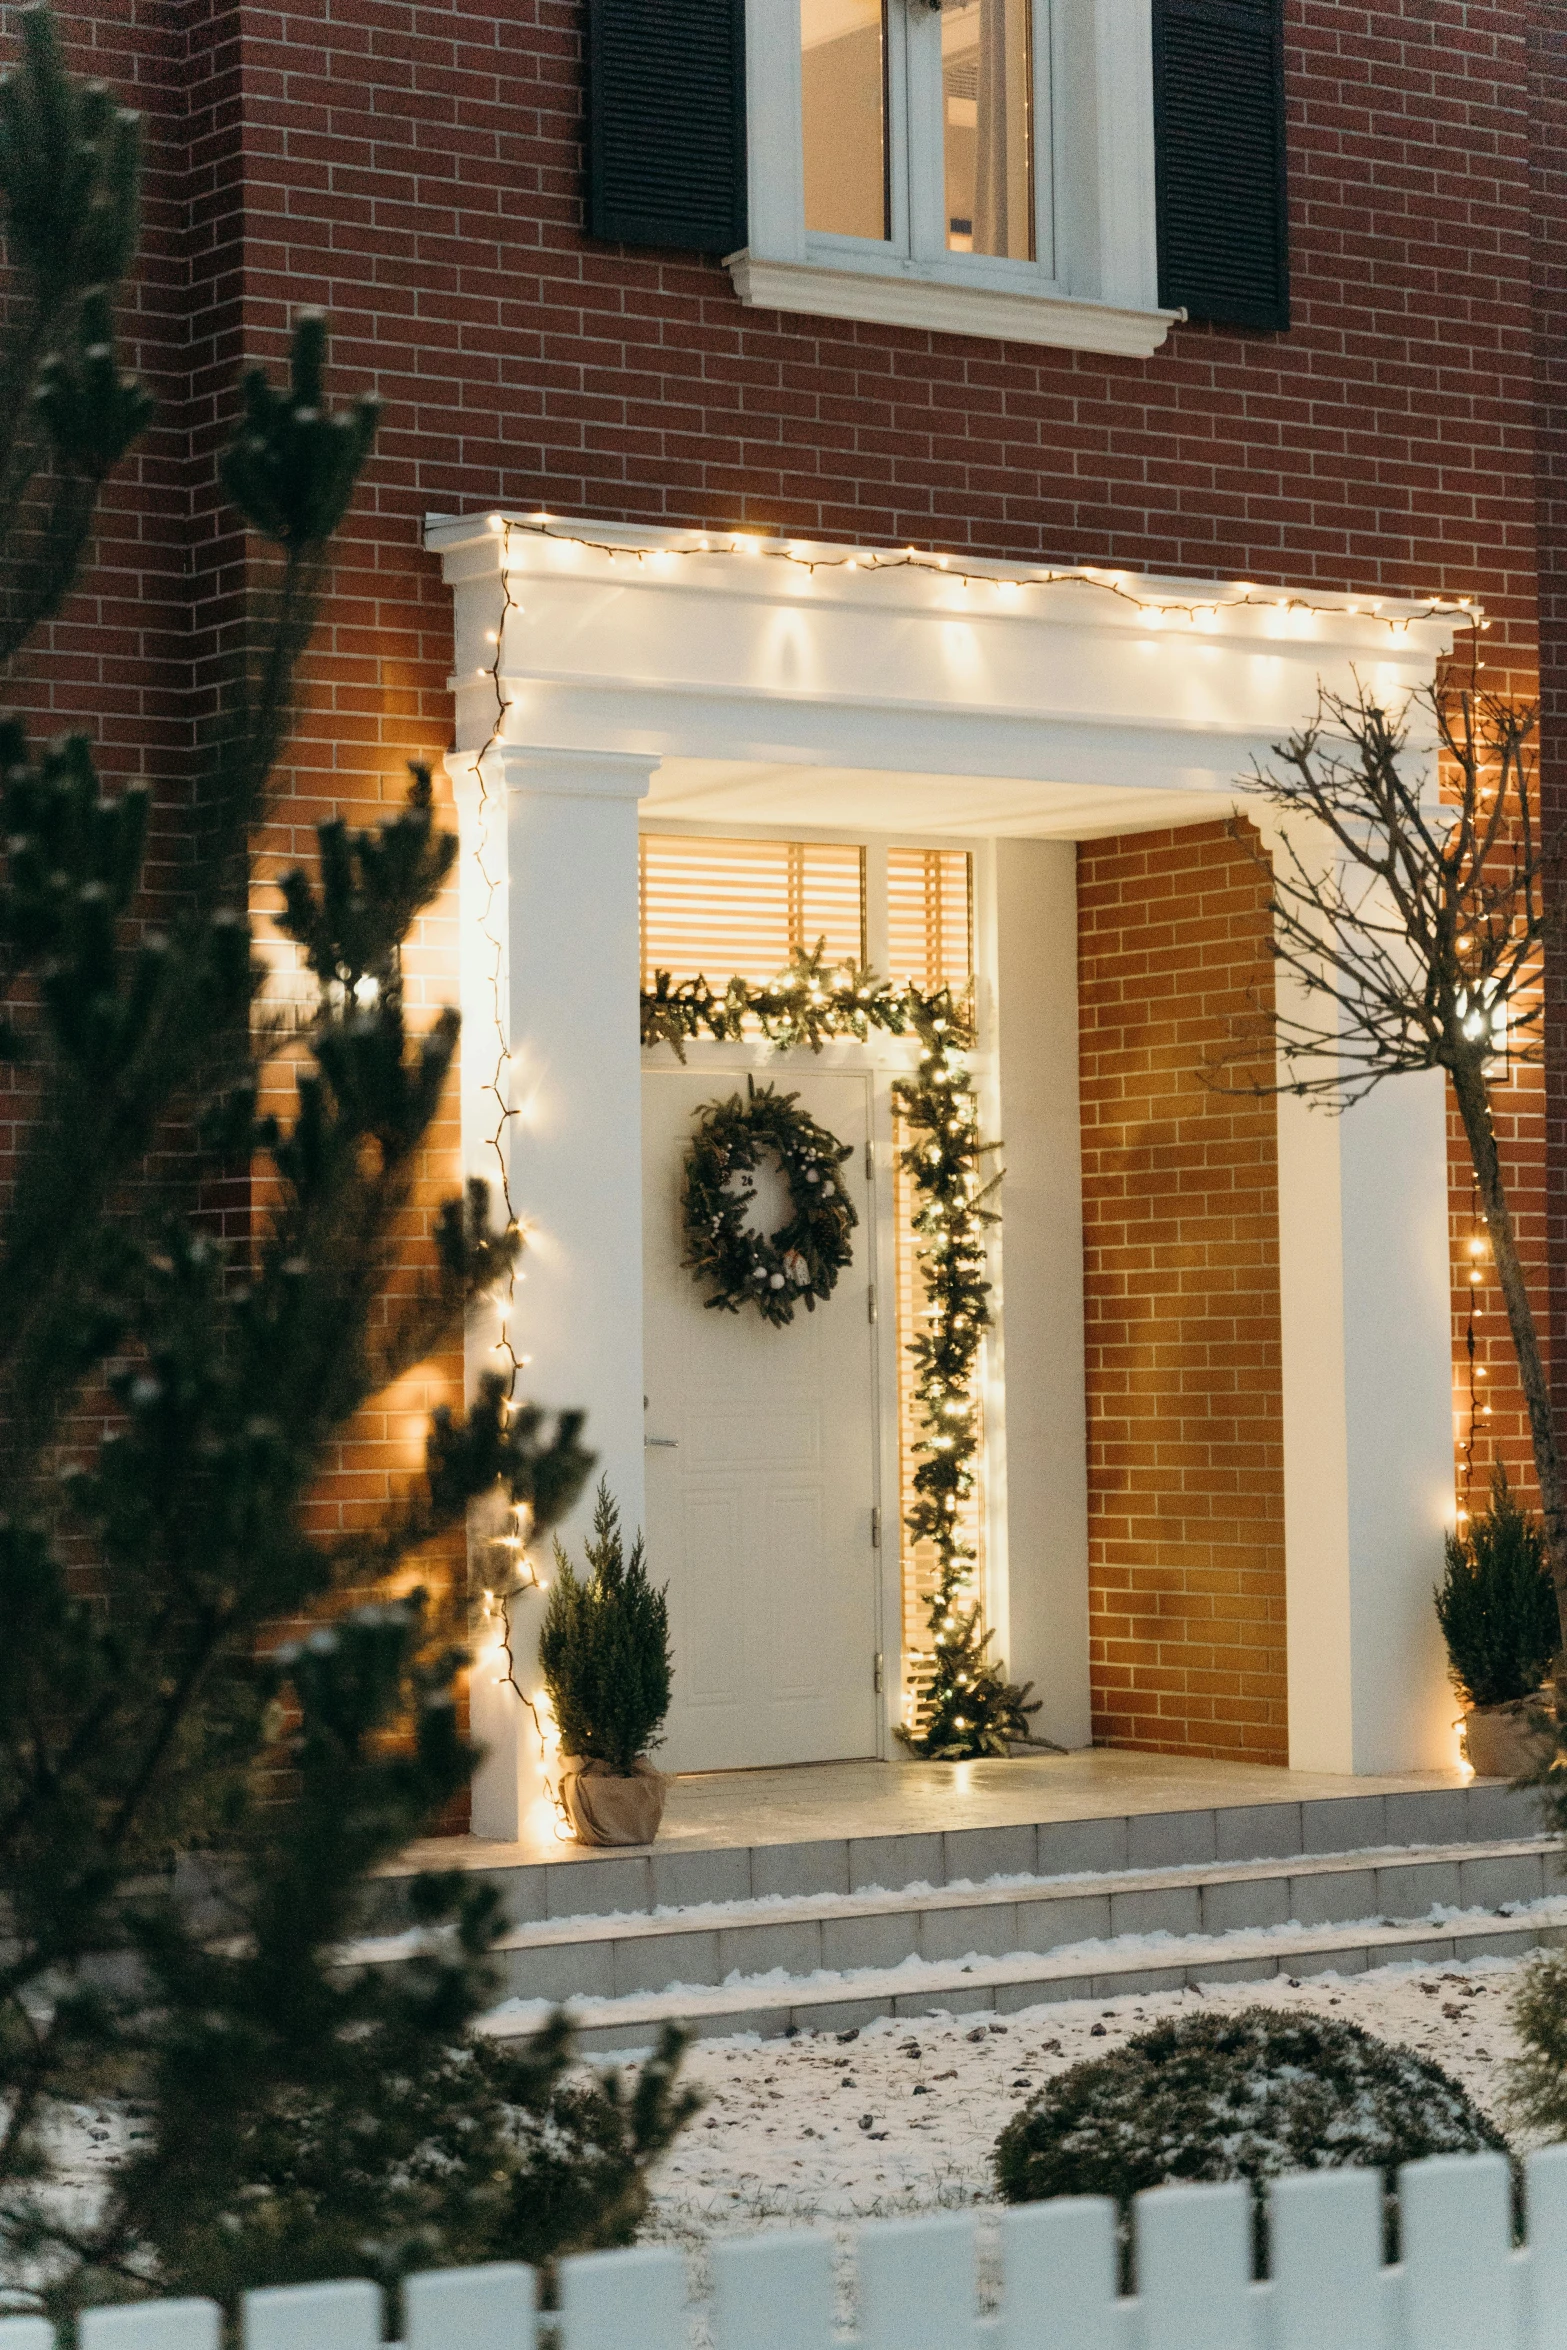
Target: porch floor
x=810, y=1801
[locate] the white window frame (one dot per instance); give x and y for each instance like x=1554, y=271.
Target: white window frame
x=1093, y=285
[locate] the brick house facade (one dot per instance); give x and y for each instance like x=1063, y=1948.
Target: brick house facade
x=417, y=169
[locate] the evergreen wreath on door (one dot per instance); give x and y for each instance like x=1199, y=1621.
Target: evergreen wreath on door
x=802, y=1260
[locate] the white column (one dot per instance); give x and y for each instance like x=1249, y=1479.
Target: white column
x=551, y=955
x=1364, y=1295
x=1043, y=1448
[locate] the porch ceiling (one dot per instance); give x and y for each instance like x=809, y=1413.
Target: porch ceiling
x=874, y=800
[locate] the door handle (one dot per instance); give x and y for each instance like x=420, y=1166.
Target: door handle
x=661, y=1443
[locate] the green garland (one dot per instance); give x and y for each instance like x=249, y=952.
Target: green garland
x=970, y=1708
x=807, y=1007
x=803, y=1258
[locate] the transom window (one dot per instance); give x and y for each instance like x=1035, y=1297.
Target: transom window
x=720, y=908
x=727, y=909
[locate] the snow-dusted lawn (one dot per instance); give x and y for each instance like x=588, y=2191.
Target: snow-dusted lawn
x=902, y=2116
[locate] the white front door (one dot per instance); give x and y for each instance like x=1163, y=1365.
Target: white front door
x=761, y=1466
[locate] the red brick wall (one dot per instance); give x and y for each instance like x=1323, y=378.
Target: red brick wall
x=1181, y=1255
x=415, y=165
x=1548, y=215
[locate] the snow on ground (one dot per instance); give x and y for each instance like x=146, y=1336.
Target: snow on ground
x=902, y=2115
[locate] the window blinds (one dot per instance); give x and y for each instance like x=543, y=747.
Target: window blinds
x=739, y=908
x=930, y=922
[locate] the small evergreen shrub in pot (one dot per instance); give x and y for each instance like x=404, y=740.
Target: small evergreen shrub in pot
x=1497, y=1609
x=1250, y=2095
x=604, y=1651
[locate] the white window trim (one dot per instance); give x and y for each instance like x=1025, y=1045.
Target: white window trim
x=1095, y=284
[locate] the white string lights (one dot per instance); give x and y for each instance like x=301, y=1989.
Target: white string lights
x=1474, y=1270
x=488, y=855
x=1198, y=612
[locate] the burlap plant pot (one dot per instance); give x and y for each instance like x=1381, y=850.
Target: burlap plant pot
x=605, y=1808
x=1502, y=1742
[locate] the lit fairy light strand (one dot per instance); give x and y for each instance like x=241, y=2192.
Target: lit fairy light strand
x=1198, y=612
x=492, y=809
x=1475, y=1368
x=522, y=1573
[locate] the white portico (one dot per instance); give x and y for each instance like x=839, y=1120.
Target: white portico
x=709, y=681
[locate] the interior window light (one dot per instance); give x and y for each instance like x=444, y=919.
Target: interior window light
x=843, y=68
x=986, y=75
x=742, y=908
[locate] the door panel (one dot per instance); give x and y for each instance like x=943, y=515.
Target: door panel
x=759, y=1497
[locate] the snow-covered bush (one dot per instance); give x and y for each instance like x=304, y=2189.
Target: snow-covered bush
x=1243, y=2096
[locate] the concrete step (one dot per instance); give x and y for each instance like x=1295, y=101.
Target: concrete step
x=669, y=1876
x=777, y=2004
x=704, y=1946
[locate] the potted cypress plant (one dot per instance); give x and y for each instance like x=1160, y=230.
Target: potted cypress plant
x=604, y=1651
x=1497, y=1607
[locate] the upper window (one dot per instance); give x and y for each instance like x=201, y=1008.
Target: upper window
x=984, y=166
x=716, y=908
x=1071, y=172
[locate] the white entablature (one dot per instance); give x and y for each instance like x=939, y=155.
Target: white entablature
x=914, y=688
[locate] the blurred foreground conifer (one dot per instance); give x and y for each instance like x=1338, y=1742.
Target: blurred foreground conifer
x=189, y=1811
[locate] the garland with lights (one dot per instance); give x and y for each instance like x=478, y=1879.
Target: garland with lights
x=970, y=1707
x=802, y=1260
x=967, y=1706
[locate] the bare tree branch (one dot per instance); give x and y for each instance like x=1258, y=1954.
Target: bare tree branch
x=1413, y=921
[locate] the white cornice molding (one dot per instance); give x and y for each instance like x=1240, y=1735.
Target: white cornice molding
x=568, y=774
x=680, y=645
x=907, y=298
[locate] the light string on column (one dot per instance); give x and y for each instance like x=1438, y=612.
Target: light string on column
x=1157, y=609
x=963, y=1704
x=1478, y=1410
x=519, y=1570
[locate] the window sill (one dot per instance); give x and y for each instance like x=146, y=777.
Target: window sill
x=907, y=300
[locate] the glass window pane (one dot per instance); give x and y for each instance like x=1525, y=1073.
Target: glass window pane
x=741, y=908
x=987, y=110
x=844, y=89
x=929, y=917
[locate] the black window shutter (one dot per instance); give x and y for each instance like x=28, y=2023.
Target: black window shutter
x=666, y=123
x=1218, y=68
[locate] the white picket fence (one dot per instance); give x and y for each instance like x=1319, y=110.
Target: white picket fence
x=1460, y=2284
